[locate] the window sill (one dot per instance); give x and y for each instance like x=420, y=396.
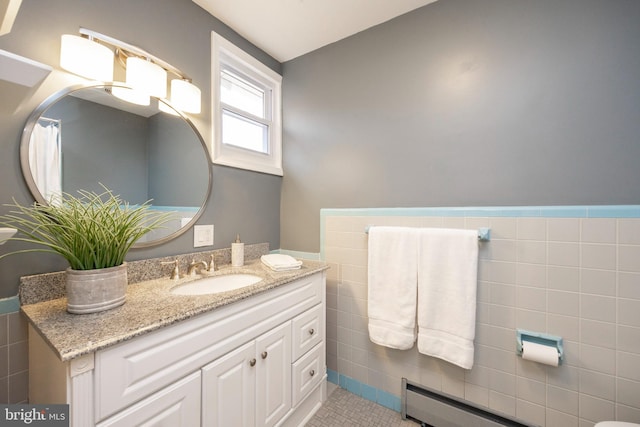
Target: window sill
x=255, y=167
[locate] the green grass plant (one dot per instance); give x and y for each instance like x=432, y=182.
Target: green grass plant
x=91, y=230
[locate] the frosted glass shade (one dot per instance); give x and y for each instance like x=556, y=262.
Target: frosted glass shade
x=86, y=58
x=130, y=95
x=185, y=96
x=146, y=77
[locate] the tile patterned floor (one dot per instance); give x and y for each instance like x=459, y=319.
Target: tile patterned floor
x=343, y=409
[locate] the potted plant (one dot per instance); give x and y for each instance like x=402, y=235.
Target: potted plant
x=93, y=232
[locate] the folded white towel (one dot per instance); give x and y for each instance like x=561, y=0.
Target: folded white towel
x=392, y=270
x=447, y=286
x=280, y=262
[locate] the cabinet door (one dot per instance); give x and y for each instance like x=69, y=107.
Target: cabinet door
x=177, y=405
x=273, y=382
x=228, y=389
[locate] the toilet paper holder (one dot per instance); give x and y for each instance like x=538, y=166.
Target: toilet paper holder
x=540, y=338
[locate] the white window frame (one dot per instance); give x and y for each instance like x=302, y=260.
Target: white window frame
x=224, y=52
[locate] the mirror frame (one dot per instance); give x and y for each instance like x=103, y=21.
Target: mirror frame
x=57, y=96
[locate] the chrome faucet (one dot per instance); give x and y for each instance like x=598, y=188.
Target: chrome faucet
x=175, y=272
x=193, y=267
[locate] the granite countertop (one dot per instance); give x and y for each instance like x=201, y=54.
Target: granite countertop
x=149, y=306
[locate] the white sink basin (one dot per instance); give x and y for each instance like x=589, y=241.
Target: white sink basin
x=216, y=284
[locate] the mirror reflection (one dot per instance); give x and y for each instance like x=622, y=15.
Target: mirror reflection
x=85, y=137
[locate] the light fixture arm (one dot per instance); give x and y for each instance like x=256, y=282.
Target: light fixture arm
x=125, y=50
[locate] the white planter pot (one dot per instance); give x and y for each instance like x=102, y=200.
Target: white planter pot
x=91, y=291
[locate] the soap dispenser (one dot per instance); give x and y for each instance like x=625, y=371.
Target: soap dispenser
x=237, y=253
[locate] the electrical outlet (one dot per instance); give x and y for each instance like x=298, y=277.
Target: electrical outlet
x=202, y=235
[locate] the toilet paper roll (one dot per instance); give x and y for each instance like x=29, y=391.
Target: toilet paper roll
x=540, y=353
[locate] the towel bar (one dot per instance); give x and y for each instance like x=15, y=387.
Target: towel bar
x=484, y=233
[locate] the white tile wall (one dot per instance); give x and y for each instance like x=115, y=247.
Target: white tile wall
x=574, y=277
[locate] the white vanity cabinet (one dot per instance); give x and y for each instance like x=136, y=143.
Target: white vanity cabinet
x=250, y=386
x=257, y=362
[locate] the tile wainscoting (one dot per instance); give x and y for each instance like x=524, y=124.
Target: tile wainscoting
x=14, y=351
x=572, y=271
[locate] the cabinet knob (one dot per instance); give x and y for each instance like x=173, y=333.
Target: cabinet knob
x=264, y=355
x=312, y=331
x=312, y=372
x=252, y=362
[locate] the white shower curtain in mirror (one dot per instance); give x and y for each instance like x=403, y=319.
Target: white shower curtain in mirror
x=45, y=160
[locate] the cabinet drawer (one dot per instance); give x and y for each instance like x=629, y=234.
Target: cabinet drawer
x=308, y=371
x=308, y=329
x=177, y=405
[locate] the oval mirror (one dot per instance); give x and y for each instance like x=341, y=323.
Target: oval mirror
x=86, y=136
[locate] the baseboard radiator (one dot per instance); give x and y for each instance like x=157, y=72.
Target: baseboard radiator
x=435, y=409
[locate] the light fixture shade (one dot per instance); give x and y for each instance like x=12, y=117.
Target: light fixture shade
x=185, y=96
x=86, y=58
x=146, y=77
x=130, y=95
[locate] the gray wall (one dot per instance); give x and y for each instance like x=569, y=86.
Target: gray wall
x=177, y=31
x=102, y=145
x=176, y=163
x=466, y=103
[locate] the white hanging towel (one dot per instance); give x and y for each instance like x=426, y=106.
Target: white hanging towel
x=447, y=285
x=393, y=255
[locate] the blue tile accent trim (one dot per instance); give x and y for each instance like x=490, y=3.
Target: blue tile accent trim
x=192, y=209
x=369, y=393
x=388, y=400
x=365, y=391
x=351, y=385
x=624, y=211
x=322, y=234
x=332, y=376
x=342, y=381
x=9, y=305
x=587, y=211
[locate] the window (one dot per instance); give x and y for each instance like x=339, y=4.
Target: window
x=247, y=124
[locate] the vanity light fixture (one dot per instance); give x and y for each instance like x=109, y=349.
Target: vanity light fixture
x=185, y=96
x=85, y=57
x=145, y=73
x=146, y=77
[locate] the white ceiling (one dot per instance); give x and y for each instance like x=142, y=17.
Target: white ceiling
x=286, y=29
